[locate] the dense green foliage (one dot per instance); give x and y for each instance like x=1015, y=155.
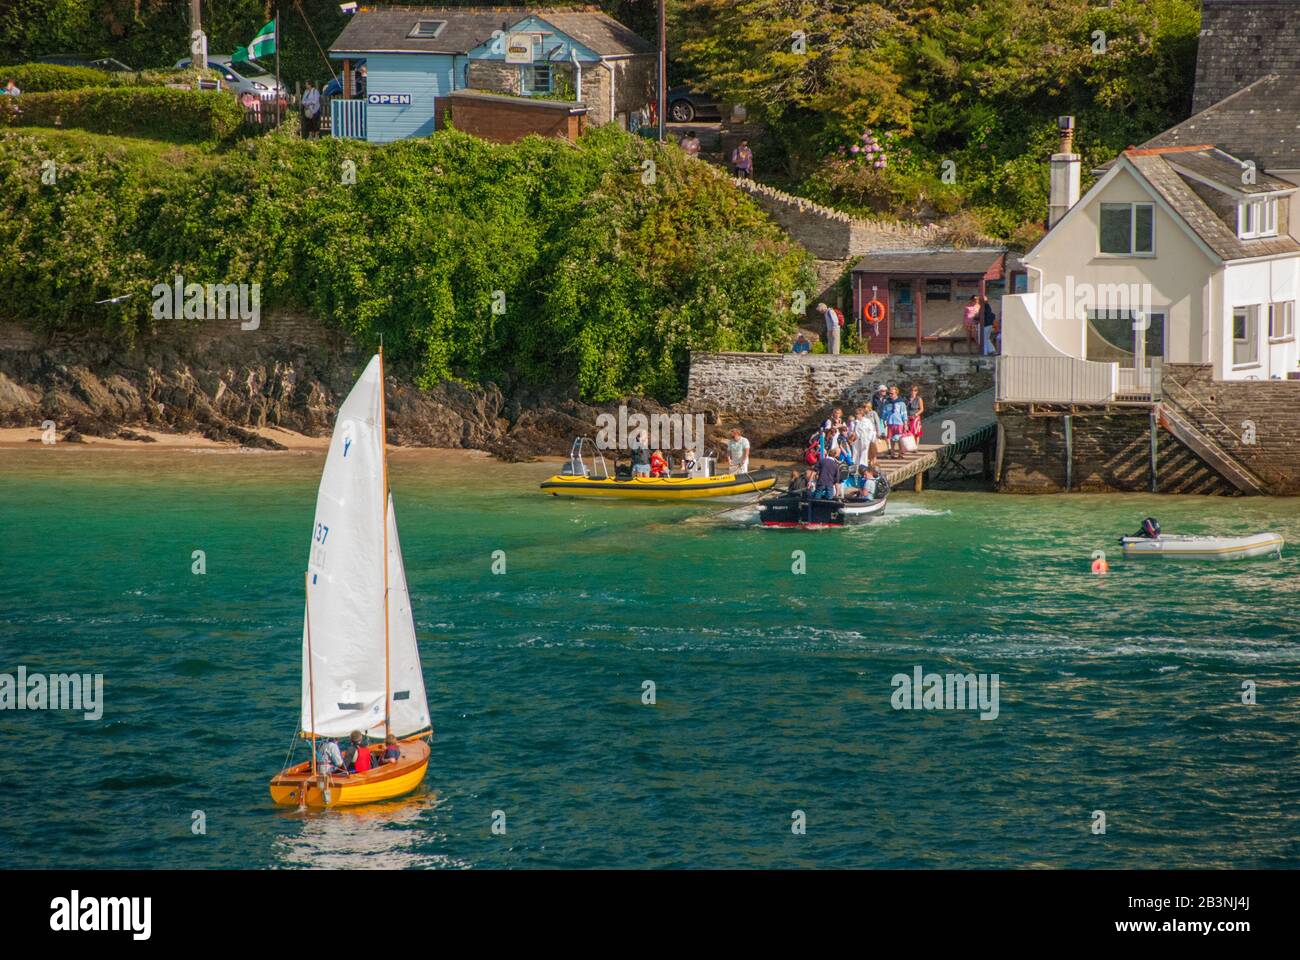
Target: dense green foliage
x=978, y=84
x=160, y=112
x=44, y=77
x=605, y=279
x=155, y=33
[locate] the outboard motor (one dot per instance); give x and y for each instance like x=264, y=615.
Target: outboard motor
x=1150, y=529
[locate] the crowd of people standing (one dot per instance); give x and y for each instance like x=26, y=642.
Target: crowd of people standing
x=841, y=458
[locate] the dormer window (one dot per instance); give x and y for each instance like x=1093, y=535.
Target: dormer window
x=427, y=29
x=1257, y=218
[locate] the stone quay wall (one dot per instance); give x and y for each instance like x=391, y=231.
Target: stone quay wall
x=789, y=386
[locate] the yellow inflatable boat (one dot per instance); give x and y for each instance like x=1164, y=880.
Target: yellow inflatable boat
x=589, y=477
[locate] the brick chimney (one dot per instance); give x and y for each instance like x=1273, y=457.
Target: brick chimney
x=1064, y=191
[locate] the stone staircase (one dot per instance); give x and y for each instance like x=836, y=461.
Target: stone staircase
x=1172, y=419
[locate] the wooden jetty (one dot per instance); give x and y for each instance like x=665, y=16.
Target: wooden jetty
x=967, y=426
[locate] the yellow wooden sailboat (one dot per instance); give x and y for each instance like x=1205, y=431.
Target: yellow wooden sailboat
x=360, y=661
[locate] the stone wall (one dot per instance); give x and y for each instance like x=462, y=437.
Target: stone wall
x=788, y=386
x=830, y=234
x=492, y=75
x=1111, y=452
x=1256, y=421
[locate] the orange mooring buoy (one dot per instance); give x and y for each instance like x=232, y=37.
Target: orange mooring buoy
x=1100, y=565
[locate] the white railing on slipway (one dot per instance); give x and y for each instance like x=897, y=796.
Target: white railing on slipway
x=1055, y=380
x=348, y=118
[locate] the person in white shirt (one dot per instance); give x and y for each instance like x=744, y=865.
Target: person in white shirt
x=311, y=110
x=864, y=433
x=738, y=452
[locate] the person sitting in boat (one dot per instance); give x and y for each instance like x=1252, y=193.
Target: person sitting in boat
x=392, y=752
x=688, y=461
x=328, y=758
x=658, y=465
x=879, y=483
x=1150, y=529
x=640, y=455
x=358, y=754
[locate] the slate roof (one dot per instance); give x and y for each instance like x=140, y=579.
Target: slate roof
x=938, y=260
x=1223, y=171
x=1241, y=41
x=1158, y=170
x=1260, y=122
x=387, y=29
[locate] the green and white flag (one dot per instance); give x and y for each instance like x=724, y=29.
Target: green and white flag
x=263, y=44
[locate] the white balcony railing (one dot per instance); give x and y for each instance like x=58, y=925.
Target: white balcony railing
x=1055, y=380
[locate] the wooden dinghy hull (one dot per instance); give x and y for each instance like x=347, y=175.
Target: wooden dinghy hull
x=1204, y=548
x=660, y=488
x=379, y=783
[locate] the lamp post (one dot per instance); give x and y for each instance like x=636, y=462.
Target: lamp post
x=663, y=69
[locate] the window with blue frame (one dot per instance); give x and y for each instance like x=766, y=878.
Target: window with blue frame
x=538, y=78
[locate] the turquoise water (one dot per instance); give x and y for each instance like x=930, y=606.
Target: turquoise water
x=1119, y=693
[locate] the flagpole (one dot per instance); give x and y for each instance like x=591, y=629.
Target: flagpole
x=279, y=91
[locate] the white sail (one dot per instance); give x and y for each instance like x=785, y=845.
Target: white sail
x=343, y=676
x=410, y=707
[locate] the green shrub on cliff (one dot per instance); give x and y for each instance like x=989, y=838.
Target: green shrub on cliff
x=160, y=112
x=539, y=261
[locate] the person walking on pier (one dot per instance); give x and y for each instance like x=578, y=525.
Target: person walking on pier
x=895, y=414
x=863, y=433
x=915, y=409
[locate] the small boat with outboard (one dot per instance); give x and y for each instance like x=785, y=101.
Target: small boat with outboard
x=587, y=475
x=796, y=510
x=1149, y=541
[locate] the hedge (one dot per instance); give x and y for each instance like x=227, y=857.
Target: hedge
x=45, y=77
x=49, y=77
x=156, y=112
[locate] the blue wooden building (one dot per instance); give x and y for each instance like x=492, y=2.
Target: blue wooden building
x=398, y=63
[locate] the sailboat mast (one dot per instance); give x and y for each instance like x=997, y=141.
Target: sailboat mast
x=383, y=440
x=311, y=680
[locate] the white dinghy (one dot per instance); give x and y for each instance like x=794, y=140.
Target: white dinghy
x=1204, y=548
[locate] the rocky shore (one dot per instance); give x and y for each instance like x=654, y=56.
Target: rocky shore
x=232, y=387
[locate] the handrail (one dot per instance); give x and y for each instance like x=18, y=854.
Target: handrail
x=1251, y=456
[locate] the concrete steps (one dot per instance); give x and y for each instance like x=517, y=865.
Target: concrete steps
x=1173, y=420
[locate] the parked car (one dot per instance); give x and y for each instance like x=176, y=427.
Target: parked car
x=686, y=106
x=247, y=76
x=107, y=64
x=335, y=87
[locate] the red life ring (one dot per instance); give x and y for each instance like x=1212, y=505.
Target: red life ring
x=874, y=312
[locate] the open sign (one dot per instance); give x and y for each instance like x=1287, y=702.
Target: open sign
x=400, y=99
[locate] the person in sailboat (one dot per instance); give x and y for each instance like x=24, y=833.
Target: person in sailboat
x=392, y=752
x=328, y=758
x=358, y=755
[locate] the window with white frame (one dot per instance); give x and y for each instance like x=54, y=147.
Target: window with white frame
x=1127, y=229
x=1281, y=320
x=1257, y=218
x=1245, y=335
x=427, y=29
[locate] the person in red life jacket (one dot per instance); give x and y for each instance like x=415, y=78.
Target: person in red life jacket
x=358, y=755
x=658, y=464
